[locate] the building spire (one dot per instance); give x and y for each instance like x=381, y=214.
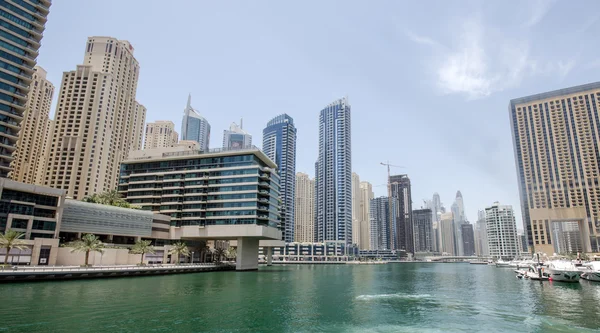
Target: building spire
x=241, y=123
x=189, y=102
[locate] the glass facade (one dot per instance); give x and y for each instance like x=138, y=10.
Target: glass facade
x=279, y=144
x=194, y=127
x=22, y=24
x=205, y=189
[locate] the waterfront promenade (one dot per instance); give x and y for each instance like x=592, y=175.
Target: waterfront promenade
x=41, y=273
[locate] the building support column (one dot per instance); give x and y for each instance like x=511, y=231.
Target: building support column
x=247, y=254
x=269, y=256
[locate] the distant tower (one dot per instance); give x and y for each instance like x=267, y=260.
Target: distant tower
x=404, y=233
x=194, y=127
x=160, y=134
x=279, y=144
x=236, y=137
x=502, y=231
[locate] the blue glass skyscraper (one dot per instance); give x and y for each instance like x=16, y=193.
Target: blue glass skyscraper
x=195, y=127
x=279, y=144
x=334, y=175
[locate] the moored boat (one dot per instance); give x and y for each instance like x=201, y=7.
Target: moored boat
x=563, y=271
x=591, y=271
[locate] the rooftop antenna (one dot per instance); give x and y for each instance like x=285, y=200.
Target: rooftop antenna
x=242, y=123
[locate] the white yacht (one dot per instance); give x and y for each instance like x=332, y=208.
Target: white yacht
x=502, y=263
x=563, y=271
x=591, y=271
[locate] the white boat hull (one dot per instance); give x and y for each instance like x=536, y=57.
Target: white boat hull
x=564, y=275
x=591, y=276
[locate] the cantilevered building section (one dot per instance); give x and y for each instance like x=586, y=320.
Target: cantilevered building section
x=556, y=137
x=31, y=156
x=222, y=195
x=22, y=24
x=279, y=144
x=236, y=137
x=194, y=127
x=98, y=121
x=334, y=175
x=160, y=134
x=305, y=209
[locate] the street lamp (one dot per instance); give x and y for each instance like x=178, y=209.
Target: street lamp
x=192, y=257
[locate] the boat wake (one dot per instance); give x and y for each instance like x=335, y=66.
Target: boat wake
x=391, y=296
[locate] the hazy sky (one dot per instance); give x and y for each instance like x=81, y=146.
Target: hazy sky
x=429, y=81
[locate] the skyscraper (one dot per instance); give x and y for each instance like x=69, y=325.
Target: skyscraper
x=382, y=219
x=98, y=121
x=422, y=230
x=468, y=239
x=334, y=174
x=279, y=144
x=436, y=211
x=22, y=24
x=356, y=209
x=446, y=230
x=481, y=241
x=458, y=210
x=160, y=134
x=194, y=127
x=236, y=137
x=31, y=154
x=366, y=195
x=404, y=233
x=501, y=231
x=304, y=217
x=556, y=136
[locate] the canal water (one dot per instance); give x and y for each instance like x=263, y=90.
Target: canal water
x=408, y=297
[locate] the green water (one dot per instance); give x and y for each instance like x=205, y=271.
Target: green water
x=327, y=298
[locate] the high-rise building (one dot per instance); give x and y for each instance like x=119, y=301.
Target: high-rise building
x=279, y=144
x=194, y=127
x=160, y=134
x=304, y=217
x=366, y=195
x=31, y=155
x=355, y=209
x=501, y=231
x=404, y=234
x=458, y=210
x=422, y=230
x=556, y=136
x=436, y=211
x=446, y=230
x=23, y=23
x=523, y=248
x=97, y=121
x=481, y=242
x=382, y=219
x=468, y=239
x=567, y=237
x=334, y=174
x=236, y=137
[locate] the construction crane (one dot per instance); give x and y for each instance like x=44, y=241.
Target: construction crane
x=389, y=187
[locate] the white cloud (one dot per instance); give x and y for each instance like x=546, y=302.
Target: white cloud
x=421, y=39
x=539, y=9
x=478, y=63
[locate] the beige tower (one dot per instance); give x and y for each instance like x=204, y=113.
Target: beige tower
x=29, y=165
x=355, y=210
x=556, y=137
x=364, y=210
x=446, y=230
x=160, y=134
x=97, y=121
x=305, y=209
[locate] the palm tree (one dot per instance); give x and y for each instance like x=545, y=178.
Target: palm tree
x=218, y=253
x=179, y=249
x=231, y=253
x=112, y=198
x=11, y=240
x=88, y=243
x=204, y=249
x=142, y=247
x=94, y=198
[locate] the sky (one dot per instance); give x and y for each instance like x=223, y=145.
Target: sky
x=429, y=82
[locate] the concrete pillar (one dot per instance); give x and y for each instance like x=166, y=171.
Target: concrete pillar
x=269, y=256
x=247, y=254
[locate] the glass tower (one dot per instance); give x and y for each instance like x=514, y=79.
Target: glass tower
x=279, y=144
x=334, y=175
x=194, y=127
x=22, y=24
